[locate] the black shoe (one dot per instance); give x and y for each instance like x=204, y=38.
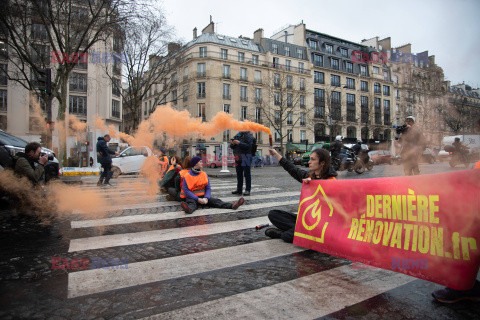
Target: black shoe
x=237, y=203
x=99, y=183
x=273, y=233
x=170, y=198
x=448, y=295
x=236, y=192
x=186, y=208
x=107, y=184
x=246, y=193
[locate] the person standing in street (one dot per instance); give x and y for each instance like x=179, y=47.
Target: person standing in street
x=413, y=144
x=242, y=145
x=104, y=158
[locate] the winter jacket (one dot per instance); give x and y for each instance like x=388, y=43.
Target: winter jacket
x=103, y=151
x=300, y=174
x=189, y=194
x=25, y=166
x=245, y=145
x=413, y=143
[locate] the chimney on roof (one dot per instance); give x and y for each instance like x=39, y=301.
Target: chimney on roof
x=258, y=35
x=194, y=33
x=210, y=28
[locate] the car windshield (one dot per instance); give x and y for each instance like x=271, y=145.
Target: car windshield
x=8, y=139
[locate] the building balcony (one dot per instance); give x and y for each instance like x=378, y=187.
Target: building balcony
x=226, y=97
x=200, y=95
x=201, y=74
x=258, y=100
x=244, y=99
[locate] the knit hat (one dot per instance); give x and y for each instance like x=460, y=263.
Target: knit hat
x=194, y=161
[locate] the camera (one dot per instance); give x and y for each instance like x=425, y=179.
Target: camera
x=401, y=129
x=50, y=156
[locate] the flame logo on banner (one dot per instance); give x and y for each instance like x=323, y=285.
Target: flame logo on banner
x=312, y=214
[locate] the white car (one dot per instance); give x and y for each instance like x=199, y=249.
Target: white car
x=130, y=160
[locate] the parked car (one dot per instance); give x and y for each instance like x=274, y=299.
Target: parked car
x=298, y=160
x=10, y=145
x=216, y=162
x=130, y=160
x=428, y=156
x=381, y=156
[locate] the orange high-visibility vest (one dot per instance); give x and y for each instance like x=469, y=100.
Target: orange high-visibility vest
x=477, y=165
x=196, y=184
x=182, y=174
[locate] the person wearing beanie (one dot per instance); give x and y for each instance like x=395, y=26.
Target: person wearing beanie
x=196, y=190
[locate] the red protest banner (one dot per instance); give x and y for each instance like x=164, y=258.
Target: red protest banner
x=424, y=226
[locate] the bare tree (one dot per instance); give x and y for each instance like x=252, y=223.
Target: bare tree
x=57, y=34
x=283, y=104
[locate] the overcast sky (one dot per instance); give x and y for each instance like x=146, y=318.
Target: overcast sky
x=447, y=29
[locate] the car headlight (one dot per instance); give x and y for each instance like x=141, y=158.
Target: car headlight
x=14, y=150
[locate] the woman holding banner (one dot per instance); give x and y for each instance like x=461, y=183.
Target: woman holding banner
x=320, y=168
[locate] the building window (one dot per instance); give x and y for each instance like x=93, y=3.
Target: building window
x=335, y=64
x=203, y=52
x=174, y=79
x=300, y=67
x=243, y=93
x=226, y=91
x=335, y=80
x=350, y=83
x=241, y=57
x=395, y=79
x=349, y=67
x=364, y=109
x=302, y=102
x=319, y=77
x=287, y=51
x=201, y=90
x=313, y=44
x=275, y=48
x=224, y=54
x=376, y=87
x=258, y=76
x=319, y=111
x=386, y=90
x=185, y=92
x=78, y=105
x=397, y=94
x=174, y=96
x=226, y=136
x=226, y=71
x=201, y=112
x=201, y=70
x=300, y=53
x=226, y=108
x=289, y=118
x=344, y=52
x=3, y=75
x=289, y=135
x=277, y=136
x=289, y=82
x=3, y=100
x=302, y=119
x=363, y=71
x=185, y=73
x=376, y=70
x=386, y=112
x=258, y=115
x=78, y=83
x=276, y=80
x=244, y=114
x=255, y=59
x=243, y=74
x=386, y=76
x=302, y=84
x=351, y=132
x=39, y=32
x=364, y=86
x=303, y=135
x=328, y=48
x=276, y=117
x=116, y=109
x=116, y=87
x=276, y=98
x=336, y=106
x=289, y=100
x=288, y=64
x=351, y=107
x=319, y=95
x=378, y=111
x=258, y=95
x=317, y=60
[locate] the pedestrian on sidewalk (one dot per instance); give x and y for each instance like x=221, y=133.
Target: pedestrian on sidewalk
x=196, y=190
x=320, y=168
x=242, y=145
x=103, y=156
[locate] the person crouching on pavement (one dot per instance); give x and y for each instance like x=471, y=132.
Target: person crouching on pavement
x=196, y=190
x=320, y=168
x=174, y=192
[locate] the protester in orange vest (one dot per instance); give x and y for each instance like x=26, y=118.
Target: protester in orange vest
x=477, y=165
x=174, y=192
x=174, y=168
x=320, y=168
x=196, y=190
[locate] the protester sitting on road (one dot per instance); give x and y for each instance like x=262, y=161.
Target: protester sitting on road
x=320, y=168
x=174, y=168
x=30, y=164
x=196, y=190
x=174, y=192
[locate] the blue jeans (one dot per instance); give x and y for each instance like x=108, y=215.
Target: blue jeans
x=243, y=168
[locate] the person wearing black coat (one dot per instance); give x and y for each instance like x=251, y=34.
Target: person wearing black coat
x=242, y=150
x=104, y=158
x=320, y=168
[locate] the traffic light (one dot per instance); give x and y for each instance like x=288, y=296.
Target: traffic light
x=44, y=81
x=87, y=143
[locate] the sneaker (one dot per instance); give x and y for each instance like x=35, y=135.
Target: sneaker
x=170, y=198
x=236, y=192
x=237, y=203
x=448, y=295
x=99, y=183
x=186, y=208
x=107, y=184
x=246, y=193
x=273, y=233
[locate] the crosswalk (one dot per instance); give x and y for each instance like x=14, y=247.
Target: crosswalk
x=211, y=264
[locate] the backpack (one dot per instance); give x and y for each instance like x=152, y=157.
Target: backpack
x=254, y=146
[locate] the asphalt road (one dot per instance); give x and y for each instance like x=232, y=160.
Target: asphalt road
x=145, y=258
